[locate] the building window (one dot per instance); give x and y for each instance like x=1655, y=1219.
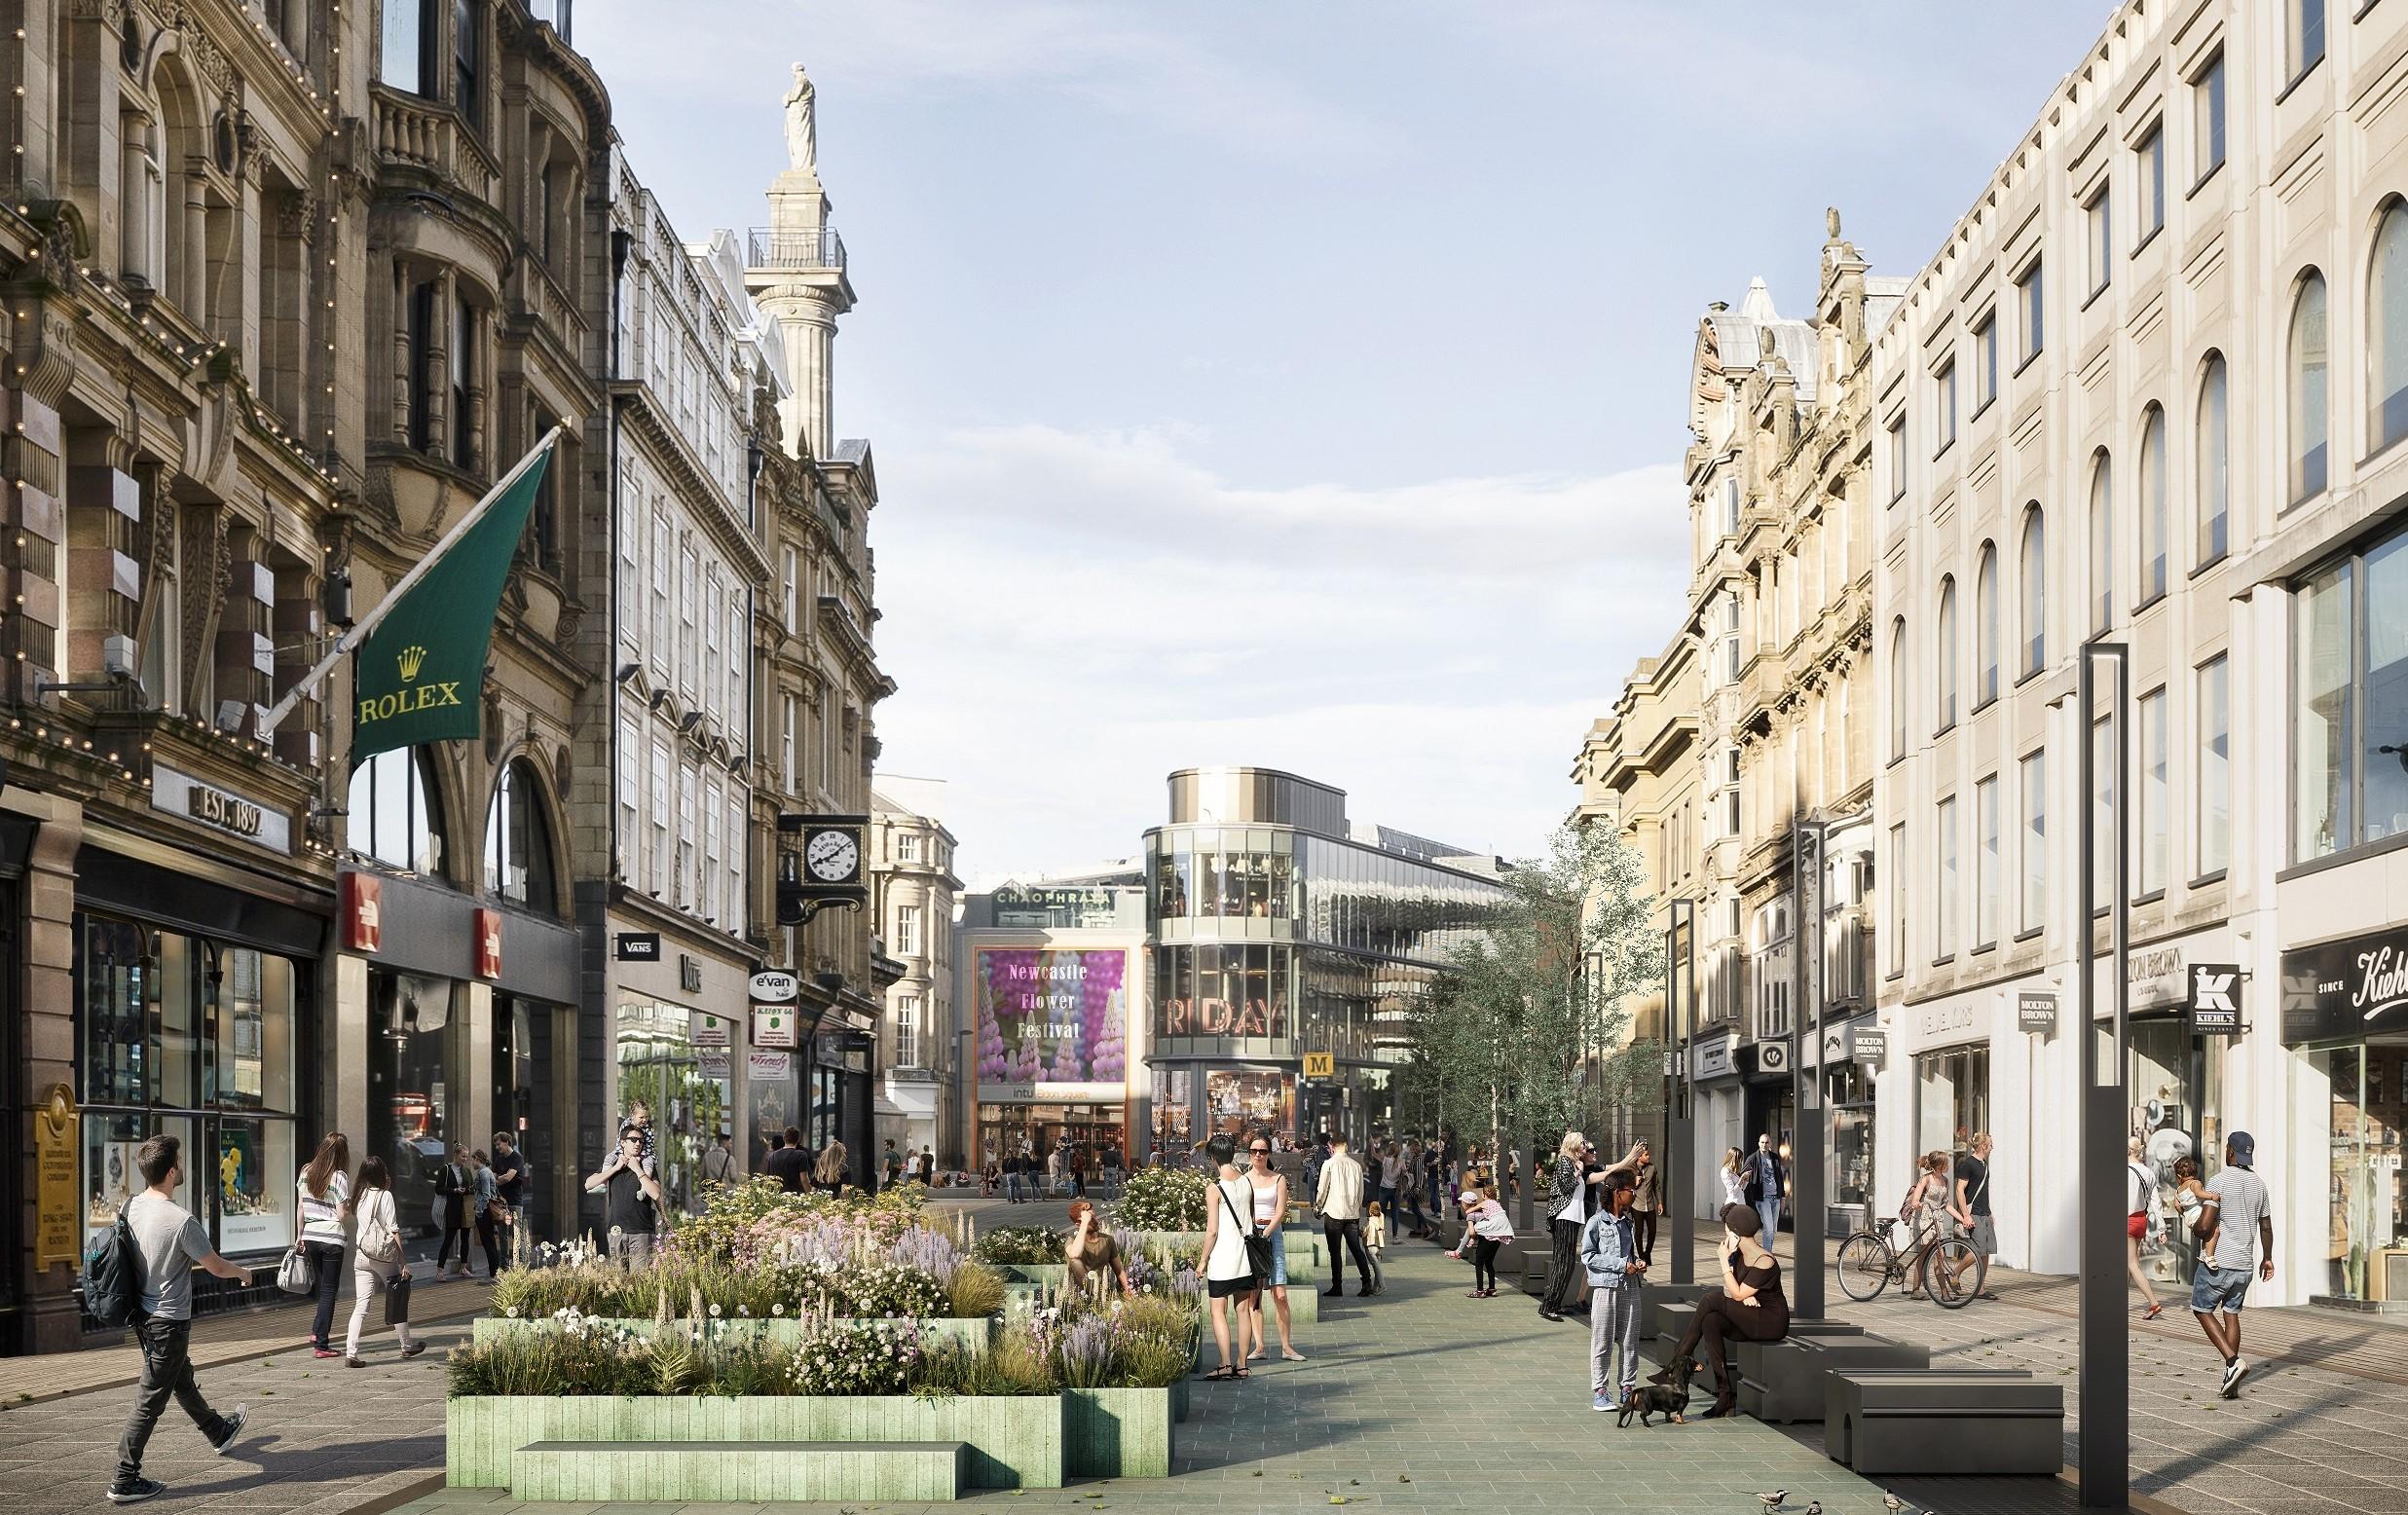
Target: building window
x=907, y=1031
x=2304, y=35
x=665, y=814
x=1943, y=821
x=1898, y=688
x=463, y=382
x=1985, y=864
x=421, y=317
x=2033, y=571
x=1898, y=458
x=467, y=55
x=2349, y=722
x=630, y=803
x=394, y=817
x=2149, y=158
x=790, y=579
x=2208, y=115
x=2214, y=461
x=2029, y=292
x=1943, y=406
x=1985, y=627
x=1730, y=507
x=2153, y=527
x=906, y=930
x=2103, y=813
x=907, y=846
x=2307, y=400
x=2154, y=822
x=1898, y=898
x=1985, y=363
x=2035, y=773
x=2099, y=236
x=2102, y=544
x=2215, y=770
x=405, y=58
x=1731, y=806
x=518, y=841
x=786, y=745
x=1943, y=651
x=2387, y=329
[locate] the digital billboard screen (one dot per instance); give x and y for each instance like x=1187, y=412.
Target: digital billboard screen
x=1051, y=1017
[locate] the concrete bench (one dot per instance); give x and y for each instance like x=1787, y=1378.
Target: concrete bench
x=1676, y=1317
x=1656, y=1296
x=1785, y=1381
x=747, y=1472
x=1955, y=1420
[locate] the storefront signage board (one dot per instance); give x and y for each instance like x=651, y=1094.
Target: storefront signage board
x=776, y=1025
x=1714, y=1057
x=2035, y=1012
x=57, y=1137
x=2346, y=990
x=759, y=1066
x=714, y=1062
x=1071, y=909
x=1320, y=1065
x=488, y=943
x=1869, y=1045
x=775, y=987
x=2216, y=999
x=363, y=913
x=637, y=947
x=178, y=794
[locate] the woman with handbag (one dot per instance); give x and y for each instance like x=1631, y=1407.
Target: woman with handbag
x=1228, y=1263
x=1267, y=1191
x=324, y=1194
x=377, y=1265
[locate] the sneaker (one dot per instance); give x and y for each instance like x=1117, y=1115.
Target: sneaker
x=136, y=1492
x=2234, y=1372
x=1600, y=1404
x=414, y=1349
x=324, y=1352
x=234, y=1423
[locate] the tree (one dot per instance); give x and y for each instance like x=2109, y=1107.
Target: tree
x=1521, y=1035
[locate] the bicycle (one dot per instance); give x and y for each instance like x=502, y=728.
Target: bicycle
x=1936, y=1263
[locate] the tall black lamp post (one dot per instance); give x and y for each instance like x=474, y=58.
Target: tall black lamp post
x=2103, y=1374
x=1806, y=1138
x=1679, y=1153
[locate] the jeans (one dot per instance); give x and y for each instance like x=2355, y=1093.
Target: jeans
x=489, y=1237
x=327, y=1265
x=1012, y=1188
x=166, y=1371
x=1769, y=1210
x=455, y=1223
x=1613, y=1322
x=367, y=1284
x=1350, y=1233
x=1484, y=1263
x=1564, y=1283
x=1643, y=1234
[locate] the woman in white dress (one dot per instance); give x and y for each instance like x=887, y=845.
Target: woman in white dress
x=1229, y=1273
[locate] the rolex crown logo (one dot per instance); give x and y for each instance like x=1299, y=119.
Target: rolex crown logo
x=410, y=660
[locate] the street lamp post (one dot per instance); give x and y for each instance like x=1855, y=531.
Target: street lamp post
x=1680, y=1123
x=1807, y=839
x=2104, y=1363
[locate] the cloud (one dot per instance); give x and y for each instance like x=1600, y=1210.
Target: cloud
x=1072, y=615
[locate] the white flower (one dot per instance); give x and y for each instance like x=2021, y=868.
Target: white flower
x=715, y=1312
x=777, y=1309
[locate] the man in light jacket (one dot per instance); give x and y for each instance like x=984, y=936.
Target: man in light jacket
x=1339, y=1197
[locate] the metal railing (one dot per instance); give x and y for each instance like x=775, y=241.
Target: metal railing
x=775, y=249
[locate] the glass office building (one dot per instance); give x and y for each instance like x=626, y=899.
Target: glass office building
x=1275, y=930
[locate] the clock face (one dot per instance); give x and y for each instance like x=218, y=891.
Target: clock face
x=834, y=856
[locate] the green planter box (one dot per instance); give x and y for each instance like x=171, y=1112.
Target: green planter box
x=978, y=1332
x=1121, y=1432
x=1016, y=1442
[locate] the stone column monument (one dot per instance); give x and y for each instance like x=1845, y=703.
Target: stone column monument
x=796, y=275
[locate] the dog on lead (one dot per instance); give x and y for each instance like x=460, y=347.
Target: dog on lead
x=1670, y=1400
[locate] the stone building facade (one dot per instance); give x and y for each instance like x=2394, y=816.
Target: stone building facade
x=913, y=896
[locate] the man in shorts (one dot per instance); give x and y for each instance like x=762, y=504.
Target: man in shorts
x=2235, y=1227
x=1969, y=1209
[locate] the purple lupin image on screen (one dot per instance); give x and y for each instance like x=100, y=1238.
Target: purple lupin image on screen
x=1051, y=1017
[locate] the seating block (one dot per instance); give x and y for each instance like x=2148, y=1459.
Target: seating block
x=1783, y=1380
x=1958, y=1421
x=737, y=1471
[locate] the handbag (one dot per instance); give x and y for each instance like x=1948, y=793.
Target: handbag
x=377, y=1241
x=397, y=1299
x=297, y=1274
x=498, y=1213
x=1257, y=1245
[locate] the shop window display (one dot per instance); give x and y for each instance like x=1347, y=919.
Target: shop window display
x=410, y=1087
x=659, y=1064
x=2366, y=1256
x=1953, y=1098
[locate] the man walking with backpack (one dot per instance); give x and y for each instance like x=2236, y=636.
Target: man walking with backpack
x=168, y=1239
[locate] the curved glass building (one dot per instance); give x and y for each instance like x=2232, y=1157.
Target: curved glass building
x=1279, y=931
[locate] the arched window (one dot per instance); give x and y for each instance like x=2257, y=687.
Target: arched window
x=2032, y=570
x=1898, y=688
x=518, y=841
x=2102, y=543
x=2215, y=486
x=2309, y=400
x=1943, y=649
x=2153, y=528
x=1985, y=627
x=2387, y=329
x=394, y=816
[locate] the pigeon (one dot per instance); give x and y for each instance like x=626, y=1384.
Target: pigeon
x=1775, y=1499
x=1892, y=1502
x=1814, y=1507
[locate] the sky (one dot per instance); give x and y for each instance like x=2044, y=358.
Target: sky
x=1300, y=385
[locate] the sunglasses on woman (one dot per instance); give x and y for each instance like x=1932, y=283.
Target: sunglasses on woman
x=1260, y=1152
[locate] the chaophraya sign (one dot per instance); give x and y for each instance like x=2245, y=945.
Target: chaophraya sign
x=1052, y=1016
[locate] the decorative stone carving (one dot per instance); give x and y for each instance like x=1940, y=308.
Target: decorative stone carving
x=208, y=574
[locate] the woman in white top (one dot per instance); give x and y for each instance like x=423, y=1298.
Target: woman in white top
x=377, y=1262
x=1735, y=1179
x=323, y=1202
x=1229, y=1273
x=2140, y=1194
x=1269, y=1193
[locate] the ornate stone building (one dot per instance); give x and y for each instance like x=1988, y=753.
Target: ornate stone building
x=913, y=893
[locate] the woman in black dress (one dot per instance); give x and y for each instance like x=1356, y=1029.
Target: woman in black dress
x=1749, y=1305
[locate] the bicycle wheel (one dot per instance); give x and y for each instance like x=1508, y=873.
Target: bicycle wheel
x=1866, y=1265
x=1944, y=1272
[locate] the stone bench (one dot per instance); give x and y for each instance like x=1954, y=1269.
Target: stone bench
x=1674, y=1316
x=737, y=1471
x=1957, y=1422
x=1785, y=1381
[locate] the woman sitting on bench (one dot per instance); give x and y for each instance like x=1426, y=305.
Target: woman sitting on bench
x=1749, y=1306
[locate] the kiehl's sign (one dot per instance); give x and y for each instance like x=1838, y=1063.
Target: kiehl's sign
x=2346, y=990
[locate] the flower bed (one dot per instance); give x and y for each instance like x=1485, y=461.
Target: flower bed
x=1164, y=1198
x=978, y=1332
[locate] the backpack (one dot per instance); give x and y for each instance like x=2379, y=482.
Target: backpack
x=113, y=1276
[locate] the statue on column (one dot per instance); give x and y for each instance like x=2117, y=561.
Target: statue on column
x=802, y=126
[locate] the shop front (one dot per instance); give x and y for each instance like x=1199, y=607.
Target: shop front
x=2345, y=1009
x=1051, y=1028
x=687, y=1043
x=1851, y=1054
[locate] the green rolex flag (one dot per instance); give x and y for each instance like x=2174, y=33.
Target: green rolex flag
x=419, y=675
